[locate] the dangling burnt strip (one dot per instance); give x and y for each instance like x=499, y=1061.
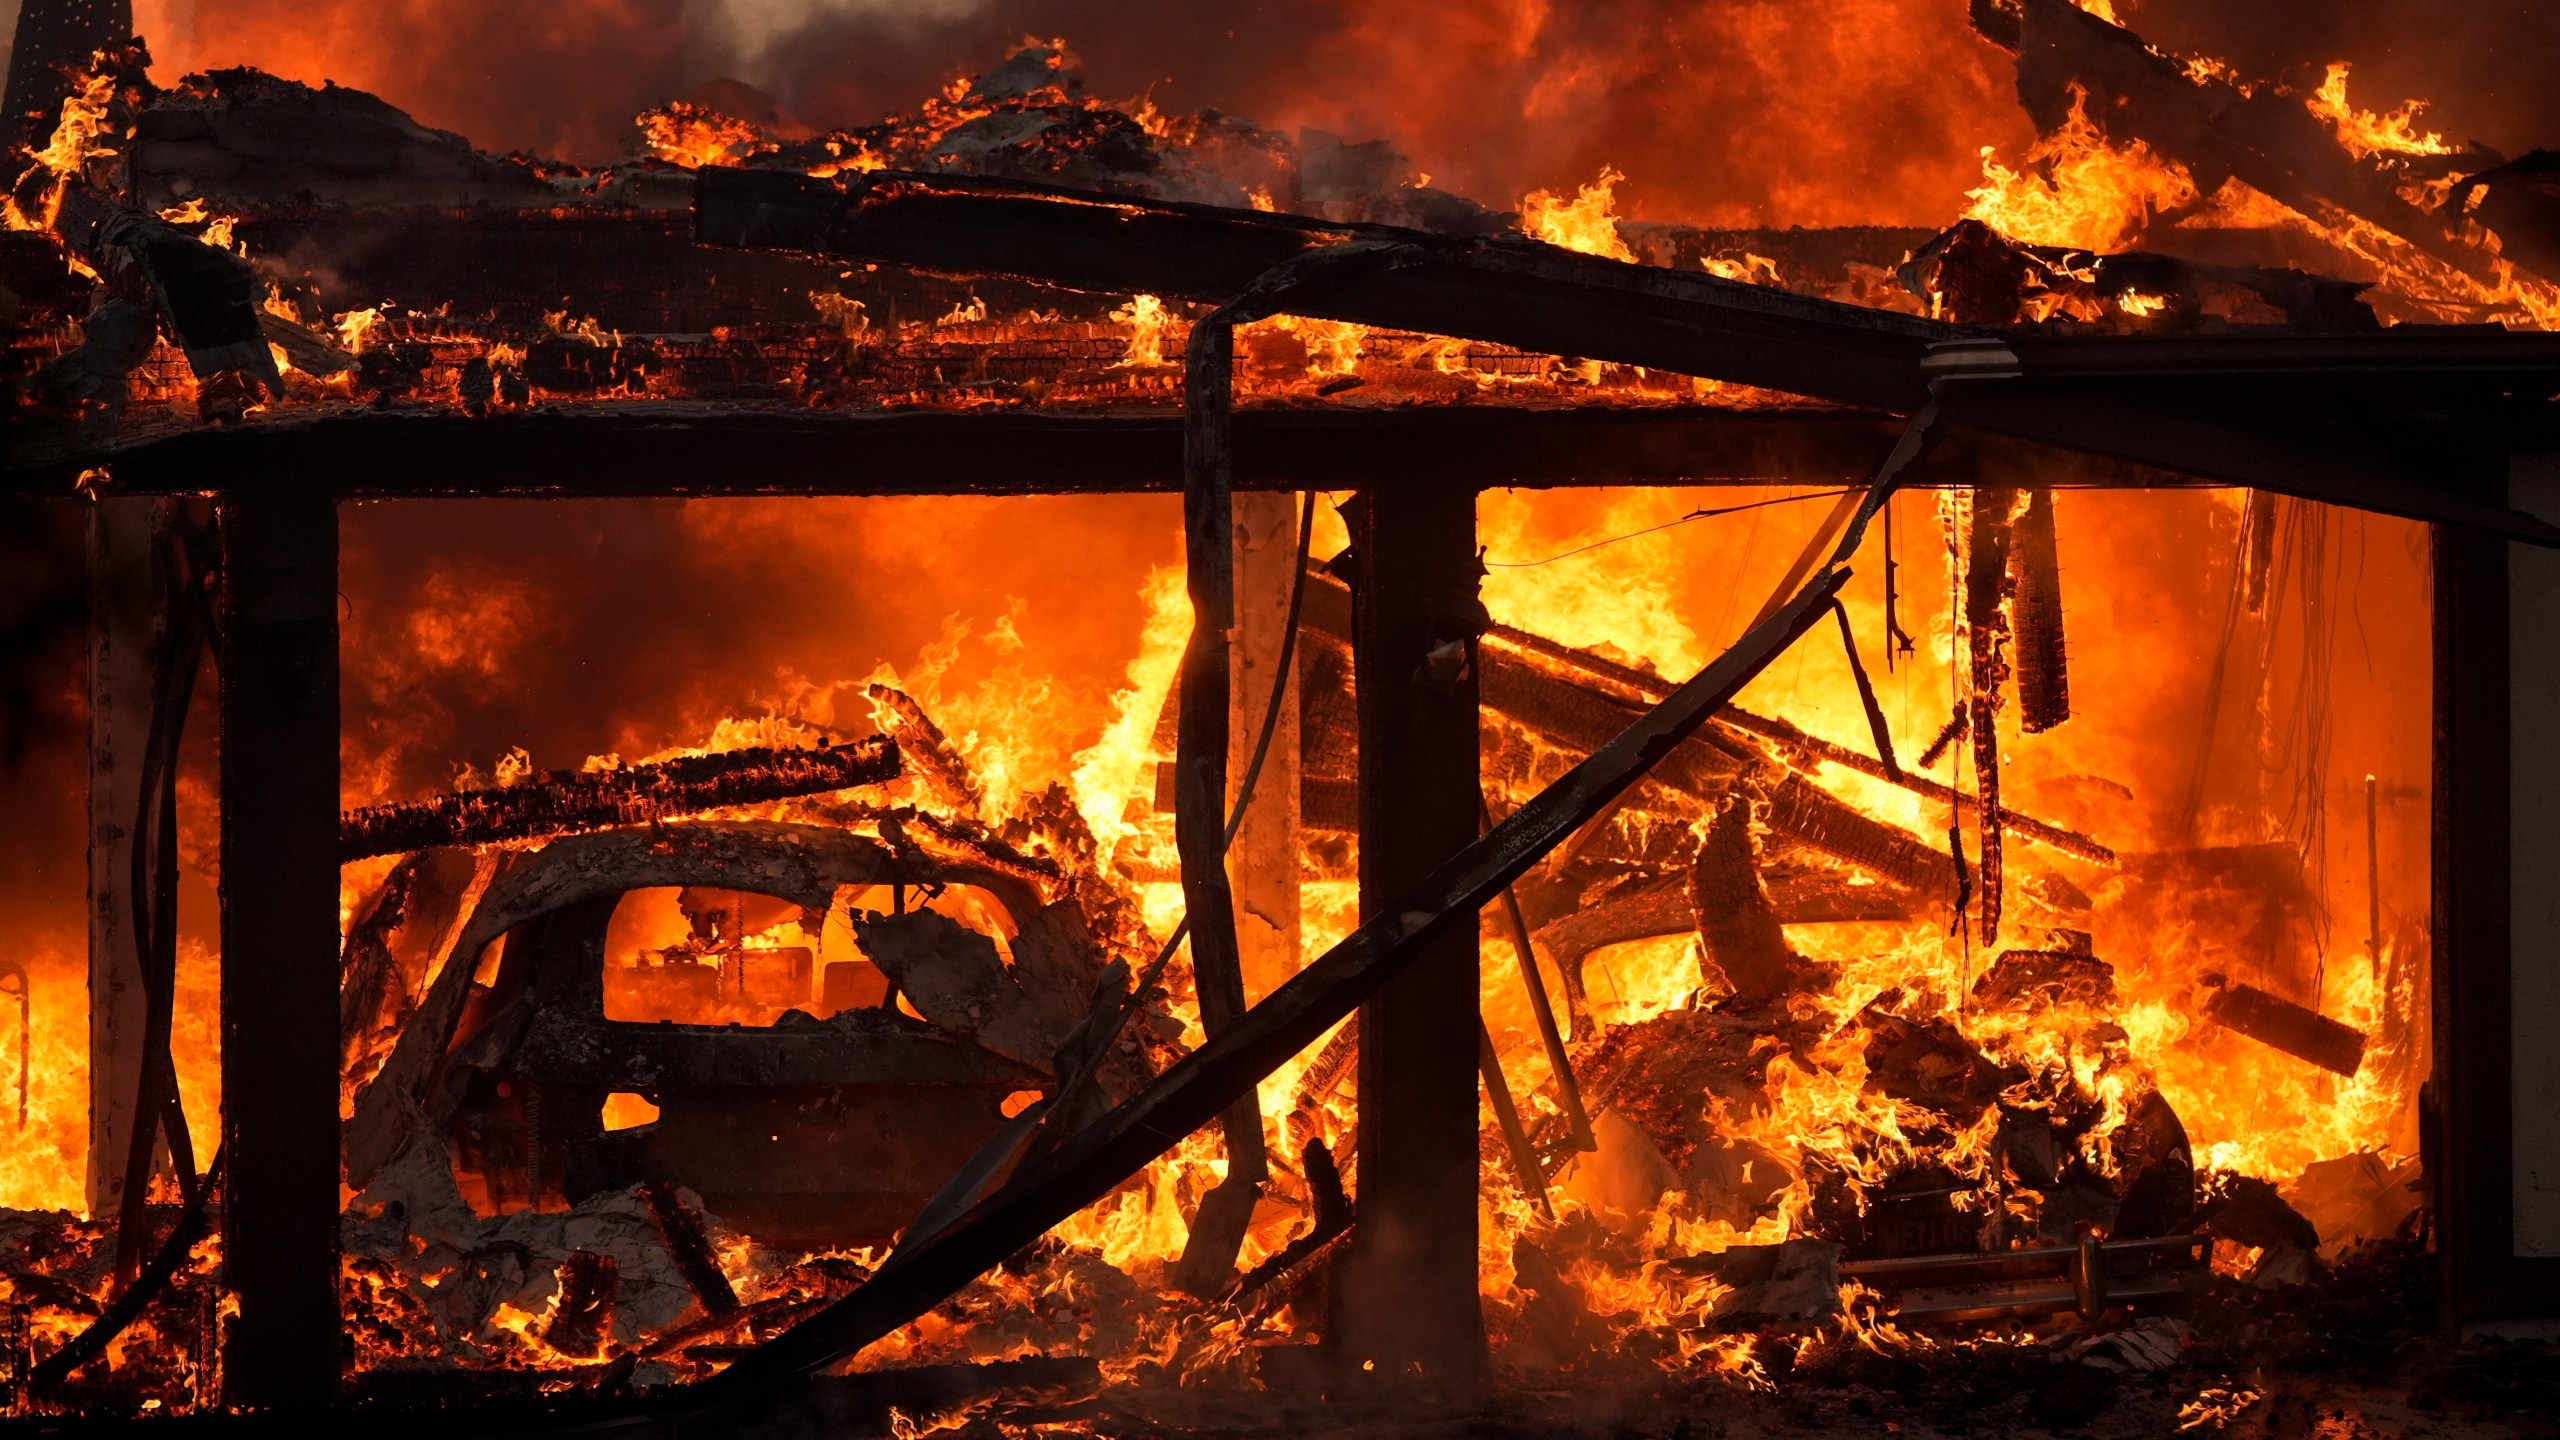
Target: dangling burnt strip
x=1986, y=594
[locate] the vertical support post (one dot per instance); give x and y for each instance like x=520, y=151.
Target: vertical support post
x=1263, y=863
x=279, y=666
x=1201, y=780
x=2533, y=960
x=2470, y=1121
x=1405, y=1305
x=128, y=625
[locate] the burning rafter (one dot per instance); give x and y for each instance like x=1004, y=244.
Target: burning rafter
x=2223, y=412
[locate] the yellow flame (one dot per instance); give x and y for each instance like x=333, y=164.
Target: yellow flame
x=1147, y=322
x=2366, y=133
x=1588, y=222
x=2077, y=189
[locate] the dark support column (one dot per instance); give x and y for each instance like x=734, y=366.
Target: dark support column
x=279, y=666
x=2469, y=1114
x=1406, y=1301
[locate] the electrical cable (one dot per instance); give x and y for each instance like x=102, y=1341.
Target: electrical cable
x=1706, y=514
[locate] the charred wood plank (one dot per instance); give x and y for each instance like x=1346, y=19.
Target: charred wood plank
x=2044, y=669
x=1205, y=1082
x=1517, y=292
x=1736, y=923
x=1986, y=617
x=1524, y=949
x=1505, y=289
x=207, y=298
x=925, y=750
x=562, y=801
x=1649, y=688
x=1526, y=1168
x=681, y=1226
x=129, y=614
x=1810, y=815
x=694, y=448
x=2297, y=1030
x=1581, y=717
x=1333, y=1216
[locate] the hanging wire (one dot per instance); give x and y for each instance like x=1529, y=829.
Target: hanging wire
x=1707, y=514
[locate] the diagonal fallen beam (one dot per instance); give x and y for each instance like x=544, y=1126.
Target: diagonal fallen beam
x=1195, y=1090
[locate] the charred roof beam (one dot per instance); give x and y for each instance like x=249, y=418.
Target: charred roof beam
x=2197, y=408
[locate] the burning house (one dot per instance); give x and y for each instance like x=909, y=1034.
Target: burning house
x=1525, y=807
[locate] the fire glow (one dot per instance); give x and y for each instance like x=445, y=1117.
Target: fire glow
x=1970, y=951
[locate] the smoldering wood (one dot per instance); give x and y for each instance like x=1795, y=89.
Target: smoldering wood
x=2269, y=140
x=690, y=1244
x=2020, y=978
x=1322, y=1077
x=1793, y=741
x=2044, y=667
x=925, y=751
x=1958, y=722
x=368, y=968
x=1736, y=924
x=1202, y=1084
x=1330, y=1218
x=2297, y=1030
x=562, y=801
x=1526, y=1168
x=582, y=1312
x=1986, y=614
x=1524, y=949
x=1809, y=815
x=207, y=298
